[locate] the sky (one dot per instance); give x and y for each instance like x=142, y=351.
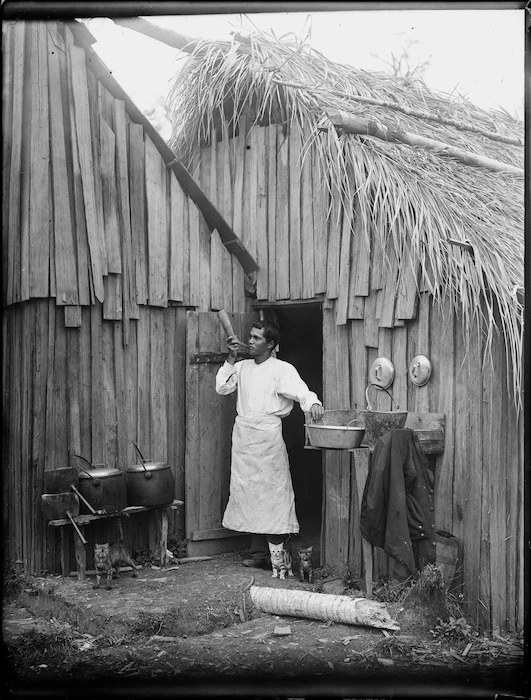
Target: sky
x=476, y=53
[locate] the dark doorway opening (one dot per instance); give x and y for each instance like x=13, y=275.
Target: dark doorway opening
x=301, y=328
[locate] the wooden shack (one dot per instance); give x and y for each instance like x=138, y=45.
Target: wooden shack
x=371, y=216
x=110, y=251
x=386, y=221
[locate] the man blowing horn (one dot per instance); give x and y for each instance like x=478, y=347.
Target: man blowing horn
x=261, y=500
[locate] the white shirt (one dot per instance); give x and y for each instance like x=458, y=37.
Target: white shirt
x=268, y=388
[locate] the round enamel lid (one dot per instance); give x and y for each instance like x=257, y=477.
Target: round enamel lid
x=420, y=370
x=382, y=372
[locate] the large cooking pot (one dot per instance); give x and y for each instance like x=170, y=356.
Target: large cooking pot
x=103, y=487
x=149, y=483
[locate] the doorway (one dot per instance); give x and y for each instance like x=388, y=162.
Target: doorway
x=301, y=344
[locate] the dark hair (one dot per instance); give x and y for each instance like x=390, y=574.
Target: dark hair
x=271, y=330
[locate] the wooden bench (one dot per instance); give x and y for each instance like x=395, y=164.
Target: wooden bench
x=158, y=533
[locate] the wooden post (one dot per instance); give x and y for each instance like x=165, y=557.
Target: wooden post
x=81, y=556
x=361, y=464
x=64, y=552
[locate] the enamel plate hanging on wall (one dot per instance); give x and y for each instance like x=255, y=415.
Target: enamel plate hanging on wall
x=420, y=370
x=382, y=372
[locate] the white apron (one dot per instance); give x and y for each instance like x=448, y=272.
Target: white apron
x=261, y=493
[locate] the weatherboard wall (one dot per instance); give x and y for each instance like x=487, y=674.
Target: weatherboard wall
x=309, y=248
x=104, y=254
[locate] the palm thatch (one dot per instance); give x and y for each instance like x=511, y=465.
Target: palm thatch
x=416, y=200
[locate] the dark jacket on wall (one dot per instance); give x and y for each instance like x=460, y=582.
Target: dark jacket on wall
x=397, y=511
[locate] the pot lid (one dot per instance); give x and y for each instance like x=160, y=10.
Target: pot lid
x=148, y=466
x=382, y=372
x=420, y=370
x=99, y=473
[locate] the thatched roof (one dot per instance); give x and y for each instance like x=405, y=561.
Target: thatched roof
x=415, y=198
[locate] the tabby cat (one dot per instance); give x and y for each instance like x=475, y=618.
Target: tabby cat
x=107, y=558
x=305, y=566
x=280, y=560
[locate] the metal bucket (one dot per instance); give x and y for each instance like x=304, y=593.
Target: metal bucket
x=378, y=423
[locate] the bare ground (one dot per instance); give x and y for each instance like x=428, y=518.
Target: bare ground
x=191, y=630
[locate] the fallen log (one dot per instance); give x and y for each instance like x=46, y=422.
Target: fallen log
x=322, y=606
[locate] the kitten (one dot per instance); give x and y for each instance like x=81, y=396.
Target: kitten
x=305, y=568
x=107, y=558
x=280, y=560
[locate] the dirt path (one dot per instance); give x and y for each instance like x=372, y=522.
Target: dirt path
x=192, y=627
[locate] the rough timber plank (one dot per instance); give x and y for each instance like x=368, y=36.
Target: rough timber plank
x=361, y=459
x=158, y=413
x=498, y=463
x=400, y=362
x=468, y=464
x=307, y=230
x=370, y=322
x=7, y=119
x=156, y=229
x=209, y=445
x=192, y=483
x=334, y=239
x=320, y=230
x=295, y=251
x=177, y=234
x=224, y=200
x=194, y=279
x=138, y=209
x=262, y=254
x=204, y=238
x=65, y=270
x=96, y=396
x=85, y=287
x=344, y=269
x=13, y=184
x=424, y=348
x=358, y=363
x=442, y=384
x=390, y=273
x=271, y=208
x=282, y=237
x=224, y=183
x=96, y=243
x=216, y=271
x=39, y=202
x=109, y=195
x=143, y=412
x=216, y=244
x=407, y=292
x=124, y=217
x=250, y=191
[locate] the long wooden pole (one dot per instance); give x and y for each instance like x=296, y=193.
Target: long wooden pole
x=354, y=125
x=166, y=36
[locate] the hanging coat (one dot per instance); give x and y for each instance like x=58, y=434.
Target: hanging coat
x=397, y=511
x=261, y=493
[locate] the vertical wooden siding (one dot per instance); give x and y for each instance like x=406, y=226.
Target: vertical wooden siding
x=86, y=182
x=477, y=478
x=80, y=390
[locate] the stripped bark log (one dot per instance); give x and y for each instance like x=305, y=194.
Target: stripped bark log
x=353, y=125
x=323, y=606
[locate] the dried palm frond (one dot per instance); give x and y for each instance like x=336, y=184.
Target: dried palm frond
x=410, y=201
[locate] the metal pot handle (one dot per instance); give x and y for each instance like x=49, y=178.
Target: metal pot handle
x=369, y=407
x=354, y=420
x=147, y=474
x=85, y=460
